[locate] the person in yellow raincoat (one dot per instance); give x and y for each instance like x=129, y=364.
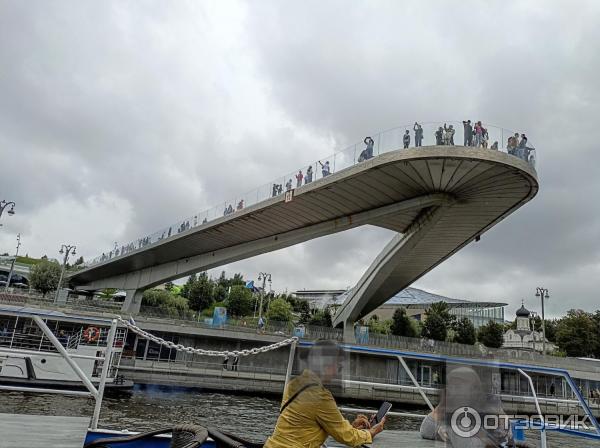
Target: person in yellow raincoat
x=309, y=413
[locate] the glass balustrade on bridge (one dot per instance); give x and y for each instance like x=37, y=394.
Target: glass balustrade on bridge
x=413, y=136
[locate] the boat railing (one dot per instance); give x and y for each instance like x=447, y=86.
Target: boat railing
x=29, y=341
x=74, y=340
x=524, y=370
x=37, y=341
x=97, y=393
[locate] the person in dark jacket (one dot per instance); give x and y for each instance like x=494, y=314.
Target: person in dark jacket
x=468, y=133
x=406, y=139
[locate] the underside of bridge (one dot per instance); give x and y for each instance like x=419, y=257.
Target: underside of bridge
x=437, y=199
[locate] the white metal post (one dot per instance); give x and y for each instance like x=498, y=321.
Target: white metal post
x=12, y=265
x=288, y=373
x=415, y=382
x=12, y=338
x=537, y=405
x=105, y=369
x=88, y=384
x=62, y=274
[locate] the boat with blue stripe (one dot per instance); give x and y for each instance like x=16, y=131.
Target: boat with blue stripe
x=32, y=430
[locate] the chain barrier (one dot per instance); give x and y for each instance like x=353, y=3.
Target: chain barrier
x=200, y=351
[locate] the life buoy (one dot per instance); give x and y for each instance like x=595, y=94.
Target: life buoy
x=91, y=334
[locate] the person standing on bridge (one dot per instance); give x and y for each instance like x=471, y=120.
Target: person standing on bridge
x=309, y=413
x=468, y=133
x=478, y=134
x=325, y=171
x=369, y=149
x=309, y=175
x=288, y=185
x=299, y=178
x=439, y=136
x=418, y=134
x=448, y=135
x=406, y=139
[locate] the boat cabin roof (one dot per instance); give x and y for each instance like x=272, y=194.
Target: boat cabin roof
x=25, y=311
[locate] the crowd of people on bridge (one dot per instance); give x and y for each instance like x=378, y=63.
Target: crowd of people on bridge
x=475, y=134
x=517, y=146
x=301, y=179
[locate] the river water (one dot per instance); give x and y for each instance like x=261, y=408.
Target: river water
x=153, y=407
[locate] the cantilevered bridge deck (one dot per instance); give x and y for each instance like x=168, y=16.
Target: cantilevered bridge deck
x=438, y=199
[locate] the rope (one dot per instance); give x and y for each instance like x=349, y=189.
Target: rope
x=200, y=351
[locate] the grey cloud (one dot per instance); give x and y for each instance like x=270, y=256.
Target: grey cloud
x=175, y=108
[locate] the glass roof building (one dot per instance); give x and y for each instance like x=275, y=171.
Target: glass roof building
x=415, y=301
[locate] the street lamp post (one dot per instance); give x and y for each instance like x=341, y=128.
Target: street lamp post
x=4, y=204
x=264, y=276
x=66, y=249
x=543, y=294
x=12, y=265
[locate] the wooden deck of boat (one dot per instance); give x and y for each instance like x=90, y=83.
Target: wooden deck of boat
x=42, y=431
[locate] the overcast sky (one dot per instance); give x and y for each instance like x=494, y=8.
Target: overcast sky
x=119, y=118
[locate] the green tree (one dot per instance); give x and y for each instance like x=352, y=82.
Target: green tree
x=220, y=293
x=199, y=294
x=435, y=327
x=169, y=286
x=280, y=310
x=108, y=293
x=163, y=300
x=237, y=279
x=185, y=290
x=320, y=318
x=491, y=334
x=379, y=326
x=576, y=335
x=304, y=309
x=402, y=325
x=438, y=321
x=464, y=332
x=222, y=280
x=596, y=320
x=45, y=276
x=549, y=324
x=240, y=302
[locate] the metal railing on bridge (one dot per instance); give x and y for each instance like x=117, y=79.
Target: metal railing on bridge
x=431, y=134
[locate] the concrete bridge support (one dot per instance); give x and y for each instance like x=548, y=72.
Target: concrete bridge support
x=133, y=301
x=378, y=283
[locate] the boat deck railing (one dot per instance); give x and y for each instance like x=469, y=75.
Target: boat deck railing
x=39, y=342
x=524, y=370
x=97, y=393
